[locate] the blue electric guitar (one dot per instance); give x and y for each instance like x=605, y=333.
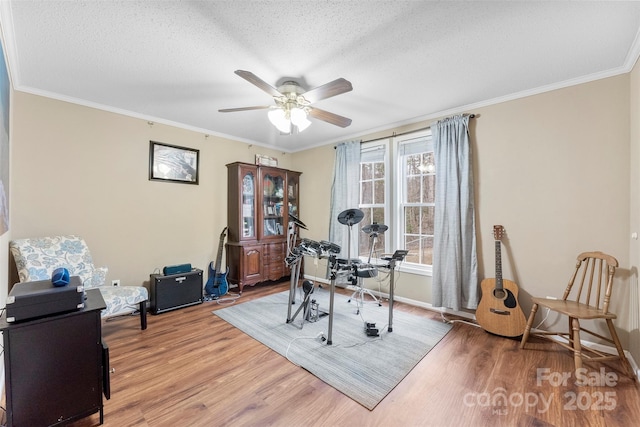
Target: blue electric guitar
x=217, y=285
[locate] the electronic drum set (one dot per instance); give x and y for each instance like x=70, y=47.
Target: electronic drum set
x=354, y=269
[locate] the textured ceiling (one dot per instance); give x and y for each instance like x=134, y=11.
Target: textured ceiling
x=173, y=61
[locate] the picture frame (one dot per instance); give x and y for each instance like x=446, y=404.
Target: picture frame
x=5, y=107
x=263, y=160
x=173, y=163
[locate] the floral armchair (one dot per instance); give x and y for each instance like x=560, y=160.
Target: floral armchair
x=37, y=258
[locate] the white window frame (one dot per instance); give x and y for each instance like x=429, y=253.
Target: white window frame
x=393, y=190
x=383, y=144
x=398, y=214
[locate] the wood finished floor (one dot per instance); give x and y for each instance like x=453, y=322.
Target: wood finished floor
x=190, y=368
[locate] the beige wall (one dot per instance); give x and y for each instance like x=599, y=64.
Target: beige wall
x=634, y=212
x=85, y=171
x=552, y=168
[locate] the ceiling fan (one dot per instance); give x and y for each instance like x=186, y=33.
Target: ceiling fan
x=293, y=103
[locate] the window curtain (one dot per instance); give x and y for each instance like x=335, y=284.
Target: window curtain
x=345, y=190
x=455, y=263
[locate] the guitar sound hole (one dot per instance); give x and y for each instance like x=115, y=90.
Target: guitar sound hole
x=499, y=293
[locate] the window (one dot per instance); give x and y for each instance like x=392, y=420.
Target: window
x=373, y=197
x=416, y=206
x=401, y=197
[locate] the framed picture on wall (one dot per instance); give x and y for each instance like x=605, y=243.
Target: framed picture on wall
x=5, y=89
x=172, y=163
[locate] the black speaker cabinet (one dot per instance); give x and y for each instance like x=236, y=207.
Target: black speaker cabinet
x=175, y=291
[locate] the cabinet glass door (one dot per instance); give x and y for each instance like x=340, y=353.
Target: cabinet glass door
x=292, y=194
x=248, y=205
x=273, y=188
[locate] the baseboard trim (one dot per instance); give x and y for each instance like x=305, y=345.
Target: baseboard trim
x=471, y=316
x=606, y=349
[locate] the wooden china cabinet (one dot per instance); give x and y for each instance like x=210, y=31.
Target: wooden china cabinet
x=259, y=201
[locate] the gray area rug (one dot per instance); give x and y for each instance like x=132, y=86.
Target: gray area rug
x=364, y=368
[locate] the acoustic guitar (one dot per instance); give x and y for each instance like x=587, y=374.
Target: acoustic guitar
x=499, y=312
x=217, y=285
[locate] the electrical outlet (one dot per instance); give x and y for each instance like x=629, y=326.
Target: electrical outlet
x=115, y=282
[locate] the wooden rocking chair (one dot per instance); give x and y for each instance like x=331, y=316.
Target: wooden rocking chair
x=591, y=283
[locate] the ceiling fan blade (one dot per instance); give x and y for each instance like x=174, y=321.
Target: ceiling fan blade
x=232, y=110
x=257, y=81
x=328, y=117
x=328, y=90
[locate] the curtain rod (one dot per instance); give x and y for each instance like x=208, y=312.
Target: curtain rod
x=471, y=116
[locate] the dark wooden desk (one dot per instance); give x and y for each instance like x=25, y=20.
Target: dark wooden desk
x=56, y=367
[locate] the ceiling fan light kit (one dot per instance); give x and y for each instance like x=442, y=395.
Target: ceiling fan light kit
x=278, y=118
x=293, y=103
x=299, y=118
x=291, y=110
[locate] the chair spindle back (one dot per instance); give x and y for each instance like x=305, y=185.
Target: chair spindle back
x=595, y=271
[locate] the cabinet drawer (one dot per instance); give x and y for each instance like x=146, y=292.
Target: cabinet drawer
x=276, y=252
x=274, y=259
x=275, y=274
x=277, y=268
